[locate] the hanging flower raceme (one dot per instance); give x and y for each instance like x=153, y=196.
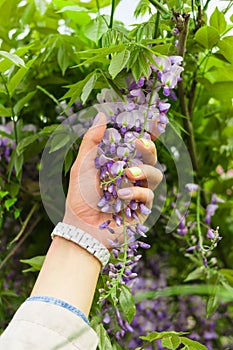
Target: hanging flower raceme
x=132, y=116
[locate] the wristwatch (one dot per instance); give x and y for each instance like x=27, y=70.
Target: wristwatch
x=83, y=239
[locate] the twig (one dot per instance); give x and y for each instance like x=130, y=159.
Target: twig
x=159, y=7
x=98, y=6
x=16, y=247
x=35, y=206
x=182, y=23
x=112, y=14
x=192, y=96
x=13, y=117
x=157, y=24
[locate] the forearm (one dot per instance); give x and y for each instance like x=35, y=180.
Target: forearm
x=69, y=273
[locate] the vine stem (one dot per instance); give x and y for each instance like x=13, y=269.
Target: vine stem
x=32, y=211
x=112, y=14
x=199, y=222
x=181, y=89
x=159, y=6
x=157, y=25
x=16, y=247
x=11, y=106
x=98, y=6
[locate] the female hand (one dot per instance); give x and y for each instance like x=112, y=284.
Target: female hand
x=84, y=190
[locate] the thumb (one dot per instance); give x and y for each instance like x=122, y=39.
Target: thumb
x=92, y=138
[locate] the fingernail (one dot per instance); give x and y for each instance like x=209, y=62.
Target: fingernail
x=145, y=142
x=96, y=119
x=135, y=171
x=124, y=192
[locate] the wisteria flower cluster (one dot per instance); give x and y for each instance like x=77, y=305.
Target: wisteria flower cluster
x=143, y=106
x=6, y=143
x=182, y=313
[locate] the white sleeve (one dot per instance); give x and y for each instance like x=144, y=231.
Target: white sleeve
x=43, y=326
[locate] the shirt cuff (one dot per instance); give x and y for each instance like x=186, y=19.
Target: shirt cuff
x=40, y=325
x=61, y=303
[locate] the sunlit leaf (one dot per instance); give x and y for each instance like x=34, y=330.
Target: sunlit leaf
x=88, y=87
x=13, y=58
x=217, y=20
x=95, y=29
x=127, y=303
x=207, y=36
x=118, y=62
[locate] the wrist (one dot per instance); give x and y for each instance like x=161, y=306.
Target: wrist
x=82, y=239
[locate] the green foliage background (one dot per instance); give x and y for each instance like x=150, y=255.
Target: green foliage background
x=59, y=51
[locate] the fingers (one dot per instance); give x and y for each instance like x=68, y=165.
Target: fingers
x=139, y=194
x=90, y=142
x=157, y=130
x=148, y=150
x=150, y=176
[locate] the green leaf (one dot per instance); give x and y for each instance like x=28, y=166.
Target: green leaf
x=197, y=274
x=3, y=194
x=217, y=20
x=219, y=74
x=9, y=203
x=226, y=48
x=127, y=303
x=24, y=143
x=9, y=293
x=213, y=300
x=68, y=161
x=222, y=90
x=59, y=140
x=74, y=8
x=76, y=89
x=227, y=273
x=162, y=49
x=96, y=28
x=5, y=112
x=171, y=342
x=16, y=213
x=16, y=79
x=104, y=341
x=88, y=87
x=48, y=130
x=63, y=57
x=13, y=58
x=18, y=164
x=160, y=335
x=143, y=64
x=192, y=344
x=36, y=262
x=103, y=51
x=23, y=101
x=207, y=36
x=136, y=70
x=118, y=62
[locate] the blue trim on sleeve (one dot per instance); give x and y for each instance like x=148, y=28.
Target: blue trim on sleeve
x=61, y=303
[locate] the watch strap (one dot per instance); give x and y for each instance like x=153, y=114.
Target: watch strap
x=83, y=239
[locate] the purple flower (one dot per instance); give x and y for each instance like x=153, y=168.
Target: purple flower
x=210, y=209
x=163, y=106
x=117, y=206
x=144, y=210
x=210, y=234
x=191, y=187
x=111, y=136
x=125, y=120
x=117, y=167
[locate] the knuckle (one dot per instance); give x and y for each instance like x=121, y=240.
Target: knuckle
x=159, y=175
